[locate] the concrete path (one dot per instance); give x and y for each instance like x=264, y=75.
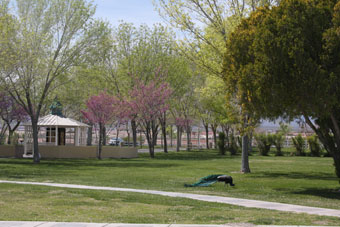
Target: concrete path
x=80, y=224
x=207, y=198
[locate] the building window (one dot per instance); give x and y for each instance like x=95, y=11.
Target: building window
x=50, y=135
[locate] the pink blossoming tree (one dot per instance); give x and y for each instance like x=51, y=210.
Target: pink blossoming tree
x=11, y=113
x=102, y=109
x=149, y=101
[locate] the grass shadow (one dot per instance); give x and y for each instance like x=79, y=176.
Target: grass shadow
x=85, y=163
x=192, y=155
x=297, y=175
x=319, y=192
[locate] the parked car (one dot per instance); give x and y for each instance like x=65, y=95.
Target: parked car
x=116, y=142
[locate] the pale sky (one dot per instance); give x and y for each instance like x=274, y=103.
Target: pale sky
x=133, y=11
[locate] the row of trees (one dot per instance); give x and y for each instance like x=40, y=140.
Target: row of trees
x=146, y=105
x=241, y=61
x=56, y=47
x=276, y=58
x=208, y=25
x=266, y=141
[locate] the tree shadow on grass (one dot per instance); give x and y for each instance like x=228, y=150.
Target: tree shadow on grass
x=297, y=175
x=193, y=155
x=319, y=192
x=80, y=164
x=18, y=169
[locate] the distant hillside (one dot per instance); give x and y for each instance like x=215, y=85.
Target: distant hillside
x=266, y=126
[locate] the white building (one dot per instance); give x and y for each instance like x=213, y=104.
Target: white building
x=55, y=130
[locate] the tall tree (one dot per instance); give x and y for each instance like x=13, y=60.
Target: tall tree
x=148, y=102
x=51, y=37
x=183, y=111
x=209, y=23
x=102, y=109
x=286, y=62
x=138, y=52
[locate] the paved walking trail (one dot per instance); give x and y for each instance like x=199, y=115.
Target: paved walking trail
x=207, y=198
x=79, y=224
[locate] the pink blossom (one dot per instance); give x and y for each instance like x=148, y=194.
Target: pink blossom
x=183, y=122
x=10, y=110
x=102, y=108
x=149, y=101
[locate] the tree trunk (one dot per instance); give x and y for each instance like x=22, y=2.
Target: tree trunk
x=188, y=139
x=336, y=159
x=36, y=154
x=198, y=138
x=11, y=131
x=155, y=138
x=206, y=135
x=117, y=135
x=226, y=130
x=148, y=134
x=151, y=131
x=171, y=135
x=154, y=131
x=165, y=142
x=152, y=150
x=178, y=144
x=104, y=135
x=128, y=134
x=128, y=139
x=180, y=136
x=214, y=129
x=10, y=135
x=330, y=142
x=2, y=134
x=99, y=154
x=134, y=132
x=89, y=135
x=140, y=139
x=245, y=161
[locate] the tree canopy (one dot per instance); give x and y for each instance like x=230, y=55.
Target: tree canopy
x=283, y=61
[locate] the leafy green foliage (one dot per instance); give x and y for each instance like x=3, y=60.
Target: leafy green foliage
x=284, y=128
x=314, y=146
x=299, y=144
x=293, y=47
x=278, y=140
x=264, y=142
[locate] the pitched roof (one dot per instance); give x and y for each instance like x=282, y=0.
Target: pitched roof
x=54, y=120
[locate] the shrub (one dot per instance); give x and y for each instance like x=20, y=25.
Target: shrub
x=264, y=142
x=221, y=143
x=278, y=140
x=314, y=146
x=299, y=144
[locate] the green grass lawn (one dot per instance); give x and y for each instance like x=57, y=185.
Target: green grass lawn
x=297, y=180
